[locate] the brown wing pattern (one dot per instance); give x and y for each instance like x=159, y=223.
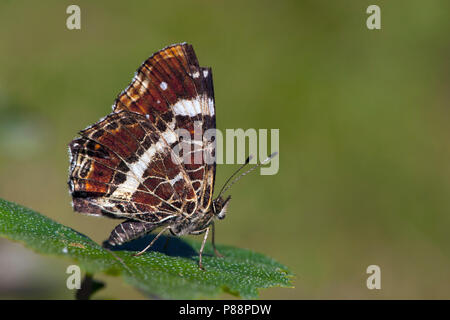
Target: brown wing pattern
x=124, y=164
x=170, y=84
x=120, y=166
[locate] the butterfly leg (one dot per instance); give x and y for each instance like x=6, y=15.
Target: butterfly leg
x=217, y=253
x=153, y=241
x=200, y=265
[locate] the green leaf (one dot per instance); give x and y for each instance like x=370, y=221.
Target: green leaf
x=169, y=272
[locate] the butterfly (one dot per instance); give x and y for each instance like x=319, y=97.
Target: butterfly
x=125, y=165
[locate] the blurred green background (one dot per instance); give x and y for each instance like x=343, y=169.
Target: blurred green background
x=364, y=131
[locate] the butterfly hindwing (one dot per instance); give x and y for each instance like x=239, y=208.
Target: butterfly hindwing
x=120, y=166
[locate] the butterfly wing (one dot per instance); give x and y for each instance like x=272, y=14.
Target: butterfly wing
x=120, y=167
x=171, y=85
x=124, y=165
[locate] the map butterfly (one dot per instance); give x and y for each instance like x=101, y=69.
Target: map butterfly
x=123, y=166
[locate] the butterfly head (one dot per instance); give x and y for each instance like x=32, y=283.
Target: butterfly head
x=219, y=207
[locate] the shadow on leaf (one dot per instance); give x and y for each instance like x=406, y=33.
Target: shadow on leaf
x=171, y=246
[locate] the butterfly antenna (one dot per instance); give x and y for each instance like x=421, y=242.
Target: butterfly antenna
x=250, y=157
x=227, y=185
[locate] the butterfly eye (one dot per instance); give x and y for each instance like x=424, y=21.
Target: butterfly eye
x=222, y=213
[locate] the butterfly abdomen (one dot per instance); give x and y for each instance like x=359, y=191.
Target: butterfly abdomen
x=129, y=230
